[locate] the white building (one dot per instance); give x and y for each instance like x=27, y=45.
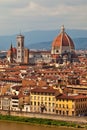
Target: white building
x=39, y=56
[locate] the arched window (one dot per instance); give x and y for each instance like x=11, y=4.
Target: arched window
x=18, y=44
x=57, y=51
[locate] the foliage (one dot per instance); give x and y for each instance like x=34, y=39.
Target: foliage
x=37, y=121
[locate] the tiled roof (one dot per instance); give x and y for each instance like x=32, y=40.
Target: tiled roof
x=72, y=97
x=44, y=90
x=17, y=88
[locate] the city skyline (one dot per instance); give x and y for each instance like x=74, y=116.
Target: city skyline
x=16, y=16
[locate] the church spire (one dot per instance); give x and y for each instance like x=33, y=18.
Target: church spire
x=11, y=46
x=11, y=53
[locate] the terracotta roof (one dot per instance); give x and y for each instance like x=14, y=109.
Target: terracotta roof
x=43, y=90
x=39, y=52
x=72, y=97
x=17, y=88
x=11, y=79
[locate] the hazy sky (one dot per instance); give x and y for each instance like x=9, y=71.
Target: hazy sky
x=26, y=15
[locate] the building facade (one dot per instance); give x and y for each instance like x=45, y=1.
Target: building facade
x=26, y=56
x=43, y=100
x=39, y=57
x=51, y=101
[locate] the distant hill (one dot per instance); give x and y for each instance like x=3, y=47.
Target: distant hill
x=80, y=43
x=43, y=39
x=40, y=45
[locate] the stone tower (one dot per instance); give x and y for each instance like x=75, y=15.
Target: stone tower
x=20, y=49
x=26, y=56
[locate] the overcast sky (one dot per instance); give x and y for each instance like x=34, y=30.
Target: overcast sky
x=26, y=15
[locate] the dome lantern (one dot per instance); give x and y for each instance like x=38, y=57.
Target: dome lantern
x=62, y=29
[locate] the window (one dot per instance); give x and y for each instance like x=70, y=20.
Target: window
x=34, y=103
x=41, y=98
x=14, y=105
x=57, y=111
x=57, y=51
x=63, y=106
x=38, y=103
x=45, y=103
x=67, y=113
x=53, y=110
x=49, y=104
x=73, y=113
x=52, y=104
x=60, y=105
x=66, y=106
x=49, y=99
x=18, y=44
x=63, y=112
x=15, y=102
x=45, y=98
x=60, y=112
x=18, y=56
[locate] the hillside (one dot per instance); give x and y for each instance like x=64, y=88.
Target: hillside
x=80, y=43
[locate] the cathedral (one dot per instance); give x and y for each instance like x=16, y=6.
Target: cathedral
x=62, y=51
x=63, y=48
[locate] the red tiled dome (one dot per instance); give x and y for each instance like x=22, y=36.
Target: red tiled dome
x=63, y=40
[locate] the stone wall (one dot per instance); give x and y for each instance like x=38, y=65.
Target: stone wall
x=46, y=116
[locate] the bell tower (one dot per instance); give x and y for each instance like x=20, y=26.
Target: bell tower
x=20, y=49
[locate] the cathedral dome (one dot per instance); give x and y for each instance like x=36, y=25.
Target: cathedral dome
x=63, y=40
x=63, y=48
